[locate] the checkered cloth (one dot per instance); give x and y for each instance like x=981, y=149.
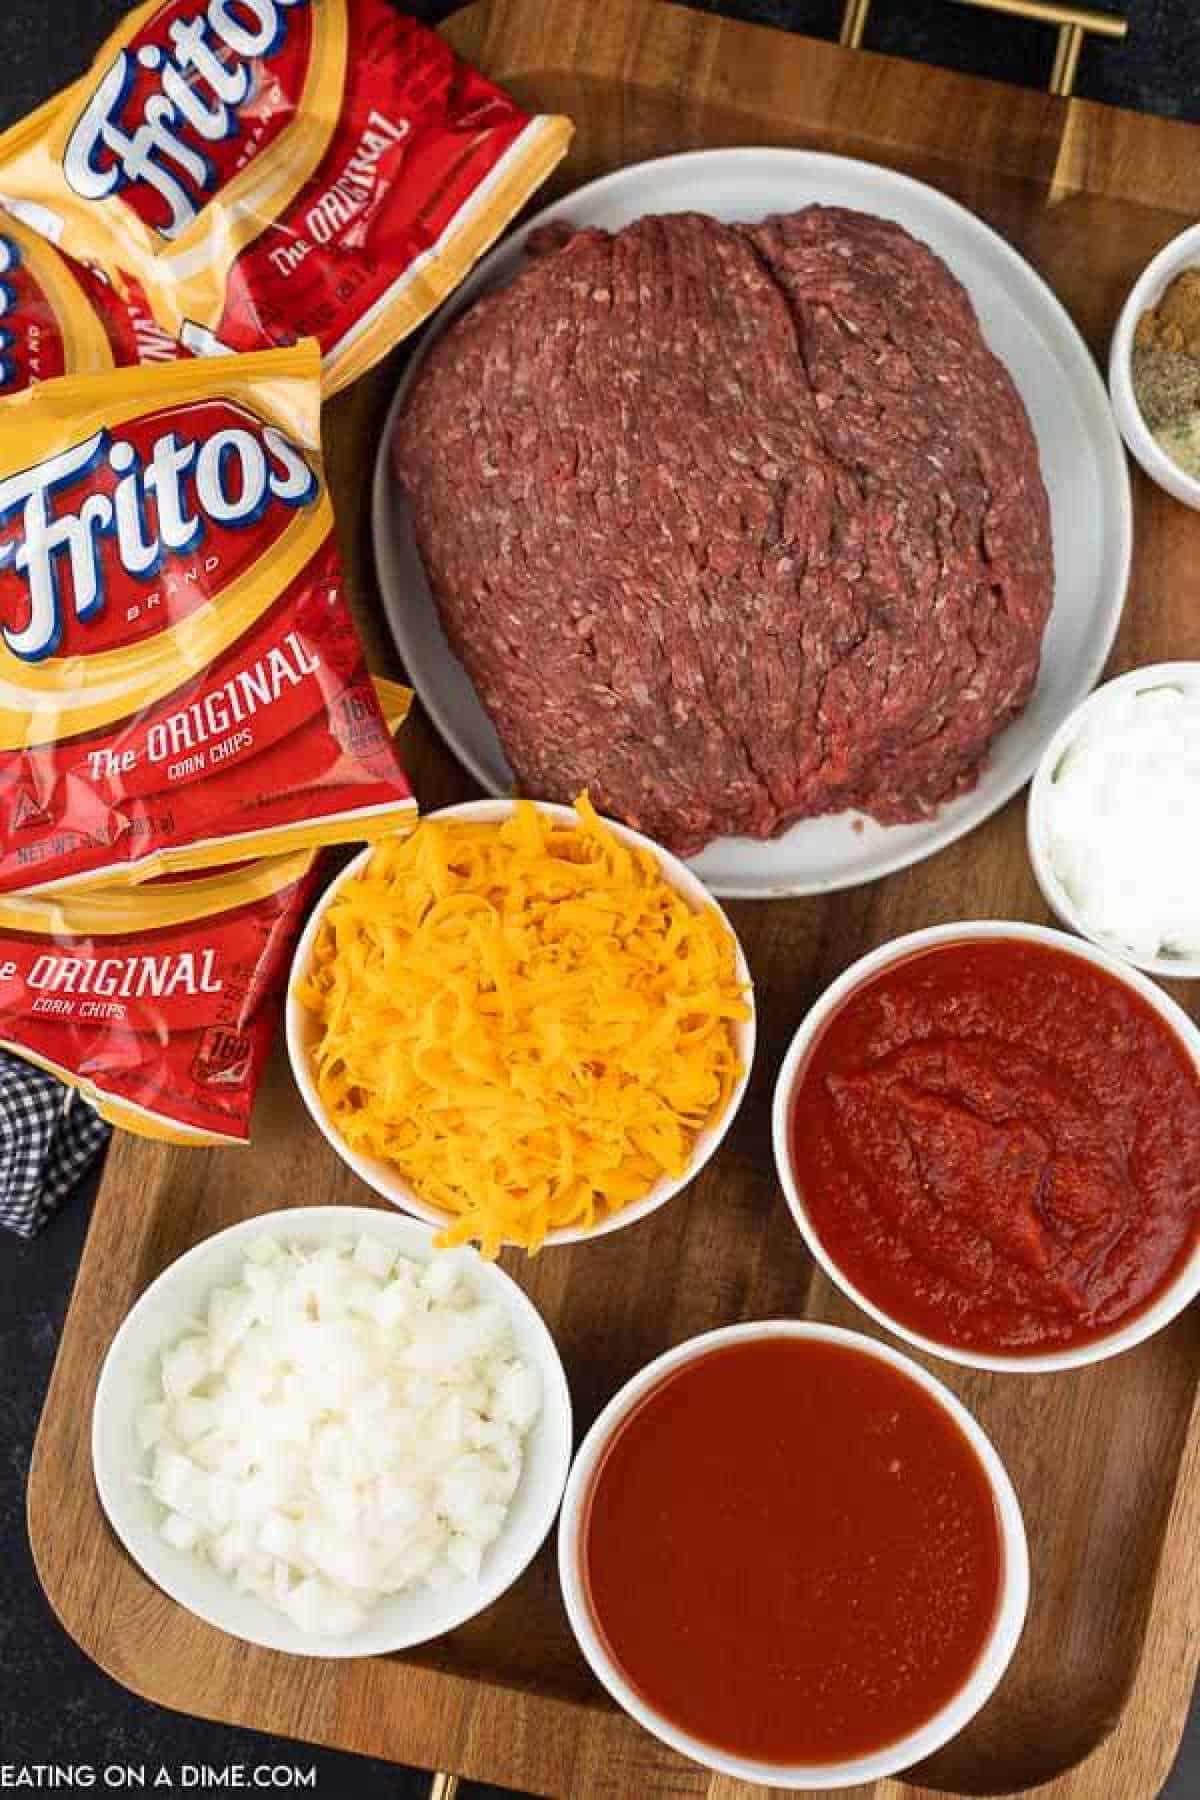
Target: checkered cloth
x=49, y=1137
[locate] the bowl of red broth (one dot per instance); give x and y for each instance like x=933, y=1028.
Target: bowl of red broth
x=989, y=1135
x=791, y=1554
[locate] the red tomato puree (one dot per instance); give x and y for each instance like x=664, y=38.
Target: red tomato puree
x=792, y=1552
x=999, y=1144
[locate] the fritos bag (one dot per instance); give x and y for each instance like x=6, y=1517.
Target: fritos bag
x=157, y=1001
x=59, y=318
x=152, y=1000
x=181, y=683
x=271, y=169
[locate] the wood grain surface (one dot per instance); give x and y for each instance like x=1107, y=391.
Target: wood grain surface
x=1106, y=1460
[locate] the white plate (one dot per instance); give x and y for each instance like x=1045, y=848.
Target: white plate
x=1082, y=462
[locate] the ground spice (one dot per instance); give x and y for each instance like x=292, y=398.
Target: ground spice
x=1181, y=441
x=1167, y=386
x=1174, y=324
x=1165, y=370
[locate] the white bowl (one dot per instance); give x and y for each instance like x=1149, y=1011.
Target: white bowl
x=1183, y=252
x=994, y=1659
x=303, y=1030
x=1178, y=674
x=129, y=1379
x=1174, y=1297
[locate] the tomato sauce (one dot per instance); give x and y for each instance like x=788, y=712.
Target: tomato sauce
x=792, y=1552
x=999, y=1144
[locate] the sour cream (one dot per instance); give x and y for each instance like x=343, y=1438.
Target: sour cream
x=1119, y=820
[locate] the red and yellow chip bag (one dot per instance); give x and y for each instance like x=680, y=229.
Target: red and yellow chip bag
x=59, y=318
x=270, y=169
x=153, y=1000
x=159, y=1002
x=181, y=683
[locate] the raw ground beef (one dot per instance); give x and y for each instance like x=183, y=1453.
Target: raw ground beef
x=733, y=525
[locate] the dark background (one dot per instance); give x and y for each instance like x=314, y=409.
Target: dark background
x=55, y=1705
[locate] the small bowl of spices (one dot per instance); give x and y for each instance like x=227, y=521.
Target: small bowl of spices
x=1154, y=368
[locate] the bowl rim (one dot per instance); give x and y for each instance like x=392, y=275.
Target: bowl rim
x=389, y=1185
x=412, y=1240
x=1164, y=674
x=1175, y=255
x=890, y=1759
x=1171, y=1300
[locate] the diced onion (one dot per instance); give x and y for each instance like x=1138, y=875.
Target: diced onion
x=347, y=1424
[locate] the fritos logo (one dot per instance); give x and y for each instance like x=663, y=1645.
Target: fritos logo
x=124, y=532
x=31, y=340
x=186, y=103
x=10, y=262
x=176, y=650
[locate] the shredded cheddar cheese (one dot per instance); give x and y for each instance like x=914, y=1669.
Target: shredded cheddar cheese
x=525, y=1019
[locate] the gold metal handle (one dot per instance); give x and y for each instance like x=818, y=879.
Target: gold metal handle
x=443, y=1786
x=1073, y=22
x=854, y=23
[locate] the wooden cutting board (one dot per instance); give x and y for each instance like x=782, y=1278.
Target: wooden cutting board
x=1106, y=1460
